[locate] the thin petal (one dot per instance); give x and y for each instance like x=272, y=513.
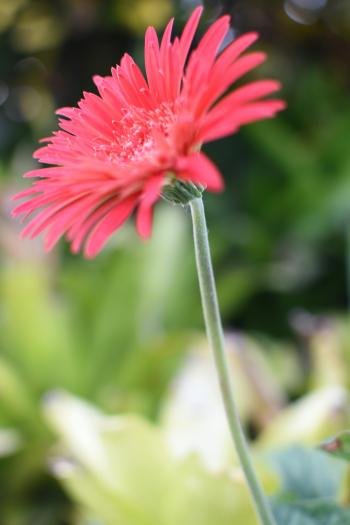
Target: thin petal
x=166, y=40
x=188, y=34
x=145, y=210
x=218, y=84
x=46, y=217
x=65, y=218
x=152, y=61
x=203, y=57
x=241, y=116
x=166, y=62
x=233, y=51
x=199, y=169
x=87, y=221
x=213, y=38
x=108, y=225
x=240, y=97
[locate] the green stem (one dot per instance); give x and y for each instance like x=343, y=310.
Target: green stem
x=216, y=339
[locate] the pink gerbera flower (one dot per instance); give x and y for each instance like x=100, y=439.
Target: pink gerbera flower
x=116, y=150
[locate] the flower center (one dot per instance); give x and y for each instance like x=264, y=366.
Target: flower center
x=140, y=135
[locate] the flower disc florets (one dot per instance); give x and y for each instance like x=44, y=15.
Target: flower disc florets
x=113, y=153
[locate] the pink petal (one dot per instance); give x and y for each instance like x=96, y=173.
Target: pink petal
x=220, y=83
x=79, y=230
x=213, y=38
x=240, y=116
x=46, y=217
x=25, y=193
x=35, y=203
x=152, y=61
x=240, y=97
x=220, y=68
x=166, y=40
x=188, y=34
x=41, y=173
x=233, y=51
x=144, y=215
x=66, y=217
x=108, y=225
x=166, y=62
x=254, y=90
x=199, y=169
x=203, y=57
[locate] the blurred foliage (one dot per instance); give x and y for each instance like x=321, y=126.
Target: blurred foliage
x=121, y=470
x=125, y=331
x=311, y=488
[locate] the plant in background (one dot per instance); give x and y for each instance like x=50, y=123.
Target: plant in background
x=138, y=140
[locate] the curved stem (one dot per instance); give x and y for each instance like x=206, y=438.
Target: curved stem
x=216, y=339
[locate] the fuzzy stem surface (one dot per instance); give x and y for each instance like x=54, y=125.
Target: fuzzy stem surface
x=216, y=339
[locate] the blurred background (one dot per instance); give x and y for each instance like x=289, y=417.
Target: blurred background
x=125, y=331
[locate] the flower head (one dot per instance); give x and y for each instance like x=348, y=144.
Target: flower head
x=114, y=152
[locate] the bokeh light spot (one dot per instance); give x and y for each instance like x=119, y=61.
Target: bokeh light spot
x=23, y=104
x=304, y=11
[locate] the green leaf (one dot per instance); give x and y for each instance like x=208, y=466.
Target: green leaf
x=319, y=512
x=122, y=470
x=309, y=474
